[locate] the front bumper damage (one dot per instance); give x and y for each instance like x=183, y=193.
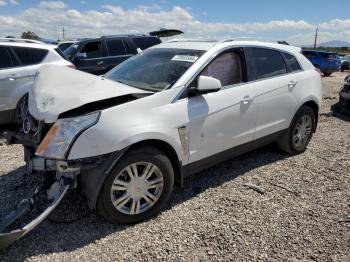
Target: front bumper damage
x=56, y=192
x=66, y=178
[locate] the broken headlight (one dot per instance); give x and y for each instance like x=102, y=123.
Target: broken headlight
x=62, y=134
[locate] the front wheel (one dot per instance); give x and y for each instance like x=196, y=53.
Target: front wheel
x=300, y=131
x=137, y=188
x=327, y=74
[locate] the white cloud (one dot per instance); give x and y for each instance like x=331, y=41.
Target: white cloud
x=83, y=2
x=3, y=3
x=14, y=2
x=52, y=5
x=48, y=19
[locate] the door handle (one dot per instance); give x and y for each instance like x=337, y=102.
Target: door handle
x=292, y=84
x=99, y=62
x=247, y=100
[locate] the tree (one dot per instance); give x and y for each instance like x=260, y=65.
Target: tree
x=30, y=35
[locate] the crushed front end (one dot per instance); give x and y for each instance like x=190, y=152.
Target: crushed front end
x=46, y=147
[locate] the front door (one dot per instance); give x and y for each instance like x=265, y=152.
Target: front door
x=224, y=119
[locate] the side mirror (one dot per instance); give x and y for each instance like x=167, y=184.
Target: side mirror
x=207, y=84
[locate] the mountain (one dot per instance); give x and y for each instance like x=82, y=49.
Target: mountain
x=334, y=43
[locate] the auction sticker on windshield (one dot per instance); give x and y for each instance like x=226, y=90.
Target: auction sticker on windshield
x=185, y=58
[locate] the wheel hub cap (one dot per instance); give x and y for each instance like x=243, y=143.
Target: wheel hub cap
x=137, y=188
x=302, y=131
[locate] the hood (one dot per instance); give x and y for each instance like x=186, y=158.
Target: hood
x=58, y=89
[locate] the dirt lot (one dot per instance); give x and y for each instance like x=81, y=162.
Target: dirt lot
x=303, y=215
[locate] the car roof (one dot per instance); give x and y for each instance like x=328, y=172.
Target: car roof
x=320, y=51
x=208, y=44
x=36, y=44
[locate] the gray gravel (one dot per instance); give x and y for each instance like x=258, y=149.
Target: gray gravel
x=303, y=213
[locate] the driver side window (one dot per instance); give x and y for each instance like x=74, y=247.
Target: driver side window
x=227, y=67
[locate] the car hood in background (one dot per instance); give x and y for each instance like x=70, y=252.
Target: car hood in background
x=58, y=89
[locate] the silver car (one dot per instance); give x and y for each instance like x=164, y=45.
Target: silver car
x=19, y=61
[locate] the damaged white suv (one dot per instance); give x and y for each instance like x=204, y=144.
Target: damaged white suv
x=125, y=138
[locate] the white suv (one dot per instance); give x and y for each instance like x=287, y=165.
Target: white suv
x=168, y=112
x=19, y=61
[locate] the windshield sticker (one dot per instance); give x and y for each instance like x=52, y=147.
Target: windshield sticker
x=185, y=58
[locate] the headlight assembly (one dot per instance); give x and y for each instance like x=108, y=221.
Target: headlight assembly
x=62, y=134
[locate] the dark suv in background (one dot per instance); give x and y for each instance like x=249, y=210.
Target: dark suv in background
x=99, y=55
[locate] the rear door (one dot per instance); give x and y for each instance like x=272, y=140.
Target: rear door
x=118, y=51
x=276, y=77
x=26, y=63
x=90, y=58
x=8, y=69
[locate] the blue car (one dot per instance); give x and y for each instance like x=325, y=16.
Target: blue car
x=326, y=62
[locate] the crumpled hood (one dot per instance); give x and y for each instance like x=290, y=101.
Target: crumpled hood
x=58, y=89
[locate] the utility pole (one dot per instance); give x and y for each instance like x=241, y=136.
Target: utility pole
x=63, y=33
x=316, y=37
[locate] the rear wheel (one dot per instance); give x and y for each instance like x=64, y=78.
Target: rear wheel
x=137, y=188
x=300, y=131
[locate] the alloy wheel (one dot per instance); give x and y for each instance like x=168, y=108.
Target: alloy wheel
x=137, y=188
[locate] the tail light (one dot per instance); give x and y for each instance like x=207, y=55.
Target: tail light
x=71, y=66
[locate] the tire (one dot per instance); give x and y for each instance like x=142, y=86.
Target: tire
x=327, y=74
x=287, y=141
x=138, y=207
x=20, y=106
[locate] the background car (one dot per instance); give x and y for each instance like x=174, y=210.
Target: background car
x=99, y=55
x=345, y=63
x=327, y=62
x=19, y=62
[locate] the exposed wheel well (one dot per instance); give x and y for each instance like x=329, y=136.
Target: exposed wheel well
x=168, y=150
x=314, y=106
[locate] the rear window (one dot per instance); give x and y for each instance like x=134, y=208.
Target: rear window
x=115, y=47
x=309, y=54
x=291, y=62
x=145, y=42
x=30, y=56
x=328, y=55
x=5, y=58
x=268, y=63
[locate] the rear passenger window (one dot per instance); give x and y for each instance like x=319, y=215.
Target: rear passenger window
x=5, y=58
x=309, y=54
x=115, y=47
x=291, y=62
x=30, y=56
x=145, y=42
x=268, y=63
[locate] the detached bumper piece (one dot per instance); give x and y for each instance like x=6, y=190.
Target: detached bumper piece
x=57, y=192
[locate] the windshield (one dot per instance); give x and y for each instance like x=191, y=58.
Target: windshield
x=154, y=69
x=70, y=51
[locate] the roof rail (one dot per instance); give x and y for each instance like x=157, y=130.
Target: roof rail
x=189, y=40
x=122, y=35
x=21, y=40
x=252, y=39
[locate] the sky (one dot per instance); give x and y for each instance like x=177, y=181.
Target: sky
x=294, y=21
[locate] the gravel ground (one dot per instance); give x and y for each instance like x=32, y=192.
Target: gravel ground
x=304, y=213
